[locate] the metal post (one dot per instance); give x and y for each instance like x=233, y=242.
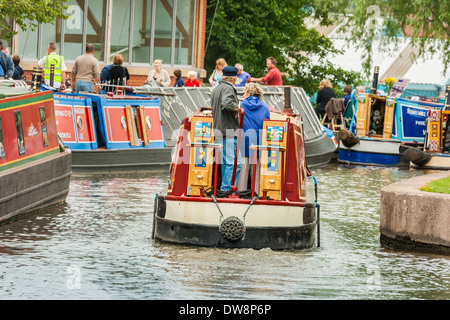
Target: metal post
x=52, y=74
x=287, y=101
x=375, y=80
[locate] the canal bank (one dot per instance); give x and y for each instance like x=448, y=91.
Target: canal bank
x=413, y=219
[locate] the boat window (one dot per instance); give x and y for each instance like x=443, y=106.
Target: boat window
x=43, y=126
x=2, y=143
x=20, y=137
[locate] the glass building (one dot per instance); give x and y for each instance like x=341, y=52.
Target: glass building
x=140, y=30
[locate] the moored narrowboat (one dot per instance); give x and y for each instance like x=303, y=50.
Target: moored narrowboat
x=435, y=153
x=35, y=169
x=112, y=133
x=382, y=129
x=282, y=213
x=179, y=103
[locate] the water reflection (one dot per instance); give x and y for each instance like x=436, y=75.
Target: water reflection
x=98, y=246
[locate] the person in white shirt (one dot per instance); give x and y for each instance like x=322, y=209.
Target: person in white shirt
x=59, y=77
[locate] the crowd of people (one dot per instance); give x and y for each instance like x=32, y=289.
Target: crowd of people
x=225, y=104
x=224, y=99
x=326, y=93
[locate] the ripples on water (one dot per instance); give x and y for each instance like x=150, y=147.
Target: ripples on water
x=98, y=246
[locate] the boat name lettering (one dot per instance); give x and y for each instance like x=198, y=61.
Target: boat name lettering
x=420, y=123
x=417, y=112
x=63, y=113
x=66, y=135
x=79, y=111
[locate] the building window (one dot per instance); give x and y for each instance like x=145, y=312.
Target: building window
x=4, y=33
x=142, y=24
x=96, y=27
x=73, y=30
x=28, y=44
x=140, y=30
x=163, y=31
x=120, y=29
x=50, y=33
x=184, y=34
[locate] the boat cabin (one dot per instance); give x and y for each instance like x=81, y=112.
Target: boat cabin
x=283, y=171
x=385, y=117
x=24, y=120
x=437, y=139
x=375, y=116
x=92, y=121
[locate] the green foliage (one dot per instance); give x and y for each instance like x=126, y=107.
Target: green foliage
x=28, y=14
x=424, y=22
x=437, y=185
x=248, y=32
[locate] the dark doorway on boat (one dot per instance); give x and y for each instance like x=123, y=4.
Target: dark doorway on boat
x=377, y=112
x=136, y=127
x=100, y=138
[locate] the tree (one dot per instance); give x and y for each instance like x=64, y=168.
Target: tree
x=28, y=14
x=248, y=32
x=424, y=22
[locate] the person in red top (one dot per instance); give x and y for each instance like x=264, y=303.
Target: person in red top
x=192, y=81
x=273, y=76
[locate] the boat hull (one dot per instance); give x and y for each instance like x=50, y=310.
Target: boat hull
x=33, y=186
x=120, y=161
x=438, y=161
x=112, y=134
x=198, y=223
x=318, y=151
x=371, y=151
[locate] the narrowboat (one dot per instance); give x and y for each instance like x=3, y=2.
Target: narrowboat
x=179, y=103
x=382, y=129
x=282, y=213
x=35, y=168
x=435, y=153
x=112, y=133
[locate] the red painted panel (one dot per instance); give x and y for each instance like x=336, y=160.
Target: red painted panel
x=155, y=133
x=86, y=131
x=31, y=126
x=114, y=125
x=65, y=123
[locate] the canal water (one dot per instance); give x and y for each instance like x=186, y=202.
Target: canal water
x=98, y=245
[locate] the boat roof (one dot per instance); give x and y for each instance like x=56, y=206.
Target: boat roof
x=7, y=89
